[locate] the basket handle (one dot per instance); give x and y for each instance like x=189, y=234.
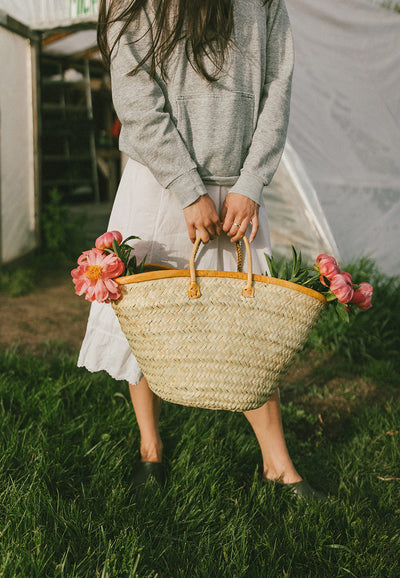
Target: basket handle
x=248, y=289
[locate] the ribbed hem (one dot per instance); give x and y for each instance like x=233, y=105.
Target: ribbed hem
x=188, y=188
x=250, y=186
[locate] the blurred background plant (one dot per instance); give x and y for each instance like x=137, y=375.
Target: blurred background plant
x=62, y=233
x=371, y=338
x=62, y=239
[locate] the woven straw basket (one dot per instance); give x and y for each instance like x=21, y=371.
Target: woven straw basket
x=214, y=339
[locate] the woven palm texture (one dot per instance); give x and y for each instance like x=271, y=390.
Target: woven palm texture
x=212, y=339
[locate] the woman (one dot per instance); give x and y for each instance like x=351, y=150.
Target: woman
x=202, y=90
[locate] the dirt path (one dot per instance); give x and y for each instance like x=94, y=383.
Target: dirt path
x=52, y=314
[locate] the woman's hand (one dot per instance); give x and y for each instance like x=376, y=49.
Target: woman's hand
x=202, y=216
x=237, y=213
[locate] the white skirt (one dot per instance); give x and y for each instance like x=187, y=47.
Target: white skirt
x=145, y=209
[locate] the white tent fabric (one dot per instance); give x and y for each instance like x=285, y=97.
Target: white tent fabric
x=337, y=189
x=17, y=189
x=50, y=13
x=345, y=121
x=75, y=43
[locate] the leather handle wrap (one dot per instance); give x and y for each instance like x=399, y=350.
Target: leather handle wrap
x=248, y=290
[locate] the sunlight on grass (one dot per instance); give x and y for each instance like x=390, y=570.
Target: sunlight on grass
x=69, y=441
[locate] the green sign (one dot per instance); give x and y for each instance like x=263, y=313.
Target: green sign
x=83, y=7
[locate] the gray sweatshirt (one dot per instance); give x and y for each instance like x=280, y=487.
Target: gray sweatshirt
x=188, y=131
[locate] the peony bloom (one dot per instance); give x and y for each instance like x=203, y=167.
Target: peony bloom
x=105, y=241
x=342, y=287
x=363, y=296
x=95, y=275
x=327, y=267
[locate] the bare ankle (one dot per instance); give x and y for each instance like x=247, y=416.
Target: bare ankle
x=151, y=452
x=288, y=477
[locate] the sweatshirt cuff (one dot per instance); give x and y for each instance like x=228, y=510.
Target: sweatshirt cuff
x=188, y=188
x=250, y=186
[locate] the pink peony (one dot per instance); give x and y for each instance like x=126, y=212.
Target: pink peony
x=327, y=267
x=362, y=296
x=105, y=241
x=95, y=275
x=342, y=286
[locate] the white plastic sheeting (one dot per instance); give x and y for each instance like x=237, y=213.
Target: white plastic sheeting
x=47, y=13
x=338, y=186
x=50, y=13
x=295, y=213
x=345, y=121
x=75, y=43
x=17, y=194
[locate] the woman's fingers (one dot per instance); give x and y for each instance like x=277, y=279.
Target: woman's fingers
x=238, y=230
x=192, y=232
x=237, y=213
x=202, y=216
x=254, y=228
x=223, y=212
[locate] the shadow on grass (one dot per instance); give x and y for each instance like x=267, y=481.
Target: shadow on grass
x=334, y=390
x=69, y=442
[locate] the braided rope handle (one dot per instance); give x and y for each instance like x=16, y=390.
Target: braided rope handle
x=239, y=257
x=248, y=289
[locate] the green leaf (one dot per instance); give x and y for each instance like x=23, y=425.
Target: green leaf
x=342, y=312
x=271, y=265
x=125, y=253
x=117, y=250
x=312, y=279
x=287, y=274
x=330, y=297
x=141, y=266
x=129, y=239
x=295, y=264
x=295, y=271
x=131, y=268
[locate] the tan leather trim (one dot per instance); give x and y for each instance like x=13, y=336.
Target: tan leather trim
x=170, y=273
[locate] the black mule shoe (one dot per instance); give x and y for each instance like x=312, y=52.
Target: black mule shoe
x=300, y=490
x=148, y=472
x=303, y=491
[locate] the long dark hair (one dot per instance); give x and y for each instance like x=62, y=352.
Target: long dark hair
x=204, y=25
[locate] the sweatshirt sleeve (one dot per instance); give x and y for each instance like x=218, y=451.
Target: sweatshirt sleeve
x=148, y=133
x=270, y=134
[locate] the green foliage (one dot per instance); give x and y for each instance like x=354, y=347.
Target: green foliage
x=62, y=235
x=67, y=507
x=62, y=240
x=391, y=4
x=370, y=335
x=18, y=282
x=294, y=271
x=124, y=252
x=342, y=312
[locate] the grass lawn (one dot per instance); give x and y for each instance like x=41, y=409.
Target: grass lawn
x=69, y=441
